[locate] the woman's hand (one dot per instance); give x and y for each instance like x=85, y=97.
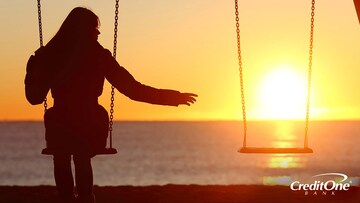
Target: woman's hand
x=187, y=98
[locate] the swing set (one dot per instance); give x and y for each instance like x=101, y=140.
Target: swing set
x=269, y=150
x=106, y=150
x=245, y=148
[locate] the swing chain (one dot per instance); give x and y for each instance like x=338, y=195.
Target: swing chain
x=40, y=23
x=309, y=72
x=41, y=41
x=116, y=27
x=240, y=70
x=112, y=87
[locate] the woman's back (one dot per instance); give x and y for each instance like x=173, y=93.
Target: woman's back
x=80, y=76
x=77, y=123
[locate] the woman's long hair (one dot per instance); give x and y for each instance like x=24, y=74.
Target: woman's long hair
x=78, y=26
x=67, y=47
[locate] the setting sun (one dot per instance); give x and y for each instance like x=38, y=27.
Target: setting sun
x=282, y=94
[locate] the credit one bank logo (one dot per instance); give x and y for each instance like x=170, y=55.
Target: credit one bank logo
x=328, y=187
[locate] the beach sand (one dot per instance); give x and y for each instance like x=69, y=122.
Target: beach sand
x=182, y=193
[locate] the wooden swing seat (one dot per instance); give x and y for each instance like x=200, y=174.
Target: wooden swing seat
x=105, y=151
x=270, y=150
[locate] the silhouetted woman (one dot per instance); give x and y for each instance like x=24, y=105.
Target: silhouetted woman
x=77, y=125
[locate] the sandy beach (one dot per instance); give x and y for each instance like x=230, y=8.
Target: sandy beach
x=182, y=193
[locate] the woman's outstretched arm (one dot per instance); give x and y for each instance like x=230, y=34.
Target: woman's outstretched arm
x=125, y=83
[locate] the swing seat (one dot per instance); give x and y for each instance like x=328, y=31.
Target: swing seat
x=104, y=151
x=269, y=150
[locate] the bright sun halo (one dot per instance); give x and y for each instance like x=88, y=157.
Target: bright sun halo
x=282, y=94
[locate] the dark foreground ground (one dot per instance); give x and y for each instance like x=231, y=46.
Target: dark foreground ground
x=182, y=193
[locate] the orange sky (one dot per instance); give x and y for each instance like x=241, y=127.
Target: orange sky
x=191, y=46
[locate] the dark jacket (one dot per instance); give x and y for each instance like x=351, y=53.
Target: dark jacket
x=77, y=123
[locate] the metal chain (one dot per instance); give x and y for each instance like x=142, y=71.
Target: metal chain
x=309, y=73
x=40, y=23
x=41, y=41
x=240, y=70
x=112, y=87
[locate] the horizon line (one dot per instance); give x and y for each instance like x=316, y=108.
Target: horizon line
x=200, y=120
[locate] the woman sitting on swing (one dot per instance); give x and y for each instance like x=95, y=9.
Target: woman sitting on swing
x=77, y=125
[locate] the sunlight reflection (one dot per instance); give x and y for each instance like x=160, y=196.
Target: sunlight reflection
x=284, y=135
x=283, y=144
x=277, y=180
x=285, y=161
x=285, y=130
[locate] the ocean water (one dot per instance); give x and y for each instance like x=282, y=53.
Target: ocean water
x=157, y=153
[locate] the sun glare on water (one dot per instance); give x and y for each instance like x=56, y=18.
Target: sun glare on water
x=282, y=94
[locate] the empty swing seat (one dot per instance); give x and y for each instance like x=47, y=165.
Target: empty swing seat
x=269, y=150
x=105, y=151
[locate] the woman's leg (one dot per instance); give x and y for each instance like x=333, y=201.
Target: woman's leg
x=63, y=177
x=84, y=179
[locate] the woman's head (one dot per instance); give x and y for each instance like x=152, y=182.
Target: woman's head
x=80, y=24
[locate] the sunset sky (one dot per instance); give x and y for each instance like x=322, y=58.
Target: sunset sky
x=190, y=45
